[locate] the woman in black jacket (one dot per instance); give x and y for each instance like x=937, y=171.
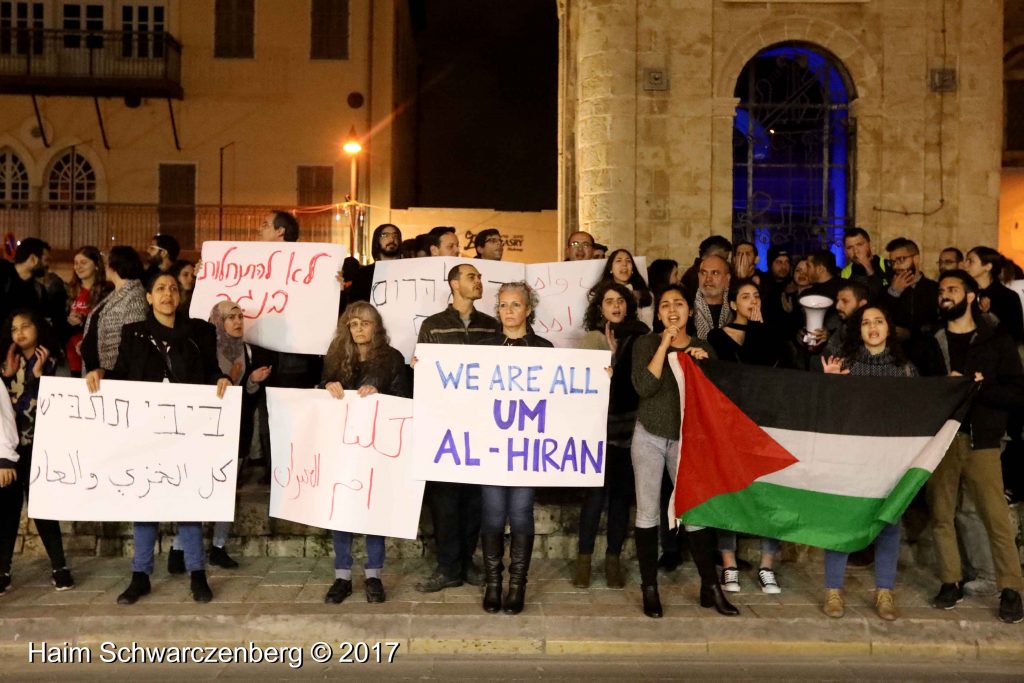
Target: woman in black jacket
x=516, y=305
x=166, y=346
x=360, y=357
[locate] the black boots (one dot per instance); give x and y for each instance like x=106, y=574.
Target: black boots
x=493, y=546
x=704, y=550
x=200, y=588
x=647, y=556
x=135, y=590
x=520, y=551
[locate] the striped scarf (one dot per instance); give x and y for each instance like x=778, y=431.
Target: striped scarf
x=702, y=320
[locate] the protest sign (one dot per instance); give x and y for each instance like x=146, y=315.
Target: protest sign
x=562, y=289
x=343, y=464
x=510, y=416
x=134, y=451
x=287, y=291
x=408, y=291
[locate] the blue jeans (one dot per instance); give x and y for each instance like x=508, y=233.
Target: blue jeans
x=887, y=554
x=727, y=542
x=514, y=503
x=190, y=534
x=343, y=552
x=653, y=456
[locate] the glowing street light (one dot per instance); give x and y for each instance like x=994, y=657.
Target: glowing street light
x=352, y=147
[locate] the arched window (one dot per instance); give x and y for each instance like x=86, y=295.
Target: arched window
x=793, y=143
x=71, y=179
x=13, y=181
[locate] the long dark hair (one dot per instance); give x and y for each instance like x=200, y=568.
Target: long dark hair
x=636, y=280
x=853, y=343
x=593, y=319
x=342, y=358
x=658, y=273
x=45, y=336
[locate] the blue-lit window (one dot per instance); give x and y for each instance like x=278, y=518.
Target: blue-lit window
x=793, y=141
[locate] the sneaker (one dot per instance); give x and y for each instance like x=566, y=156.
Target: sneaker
x=374, y=590
x=885, y=604
x=219, y=558
x=339, y=590
x=176, y=561
x=5, y=583
x=135, y=590
x=766, y=579
x=834, y=606
x=437, y=582
x=981, y=587
x=949, y=595
x=62, y=580
x=731, y=580
x=474, y=576
x=1010, y=608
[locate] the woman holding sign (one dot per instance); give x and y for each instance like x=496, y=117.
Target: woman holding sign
x=361, y=357
x=516, y=305
x=612, y=325
x=167, y=346
x=655, y=449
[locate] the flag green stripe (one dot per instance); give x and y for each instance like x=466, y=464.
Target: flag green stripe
x=824, y=520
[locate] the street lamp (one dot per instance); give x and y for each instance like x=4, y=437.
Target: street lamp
x=352, y=148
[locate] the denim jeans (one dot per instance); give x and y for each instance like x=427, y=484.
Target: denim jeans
x=652, y=457
x=514, y=503
x=190, y=534
x=374, y=552
x=887, y=554
x=727, y=542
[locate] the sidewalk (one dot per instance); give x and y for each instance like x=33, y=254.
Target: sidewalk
x=279, y=601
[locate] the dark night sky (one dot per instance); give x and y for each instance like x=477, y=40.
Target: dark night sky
x=487, y=135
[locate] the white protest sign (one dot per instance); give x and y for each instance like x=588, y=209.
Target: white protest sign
x=134, y=452
x=407, y=291
x=343, y=464
x=562, y=289
x=510, y=416
x=287, y=291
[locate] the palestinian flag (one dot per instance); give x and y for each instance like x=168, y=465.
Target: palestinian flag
x=825, y=460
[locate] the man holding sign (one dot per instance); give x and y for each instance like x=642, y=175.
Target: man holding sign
x=455, y=508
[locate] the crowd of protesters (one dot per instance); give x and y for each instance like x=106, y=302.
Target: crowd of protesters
x=125, y=316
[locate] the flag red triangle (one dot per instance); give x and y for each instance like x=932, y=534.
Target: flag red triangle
x=722, y=450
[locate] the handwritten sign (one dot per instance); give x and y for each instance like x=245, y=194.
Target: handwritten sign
x=134, y=451
x=287, y=291
x=408, y=291
x=343, y=464
x=511, y=416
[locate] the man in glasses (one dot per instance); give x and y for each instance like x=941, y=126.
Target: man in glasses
x=163, y=251
x=950, y=259
x=579, y=247
x=910, y=296
x=489, y=245
x=385, y=245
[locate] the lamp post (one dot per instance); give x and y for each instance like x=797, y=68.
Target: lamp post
x=352, y=148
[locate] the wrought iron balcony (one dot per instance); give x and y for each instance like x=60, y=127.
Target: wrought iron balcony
x=89, y=63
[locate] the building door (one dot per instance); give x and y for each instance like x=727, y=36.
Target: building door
x=177, y=212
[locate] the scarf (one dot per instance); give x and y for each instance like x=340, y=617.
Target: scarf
x=702, y=315
x=230, y=350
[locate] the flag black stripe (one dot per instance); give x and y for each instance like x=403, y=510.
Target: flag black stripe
x=840, y=404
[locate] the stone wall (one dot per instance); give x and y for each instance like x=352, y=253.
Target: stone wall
x=651, y=170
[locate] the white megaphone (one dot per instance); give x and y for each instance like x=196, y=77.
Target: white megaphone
x=815, y=306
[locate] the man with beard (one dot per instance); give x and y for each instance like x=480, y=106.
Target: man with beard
x=385, y=245
x=18, y=286
x=711, y=309
x=850, y=298
x=910, y=296
x=163, y=251
x=968, y=346
x=774, y=281
x=456, y=508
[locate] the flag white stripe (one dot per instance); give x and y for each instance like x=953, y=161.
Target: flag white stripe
x=861, y=466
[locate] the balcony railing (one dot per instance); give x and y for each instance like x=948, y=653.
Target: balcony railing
x=103, y=225
x=89, y=63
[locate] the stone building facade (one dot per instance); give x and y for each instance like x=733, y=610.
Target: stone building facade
x=648, y=165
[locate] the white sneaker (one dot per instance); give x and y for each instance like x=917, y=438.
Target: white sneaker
x=981, y=587
x=766, y=579
x=731, y=580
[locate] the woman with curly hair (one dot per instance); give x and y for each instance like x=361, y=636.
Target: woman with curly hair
x=621, y=268
x=868, y=351
x=87, y=288
x=361, y=358
x=612, y=325
x=516, y=305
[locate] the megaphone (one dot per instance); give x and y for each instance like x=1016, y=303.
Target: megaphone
x=815, y=306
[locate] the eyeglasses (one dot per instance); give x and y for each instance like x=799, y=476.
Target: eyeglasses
x=492, y=240
x=577, y=244
x=386, y=235
x=359, y=324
